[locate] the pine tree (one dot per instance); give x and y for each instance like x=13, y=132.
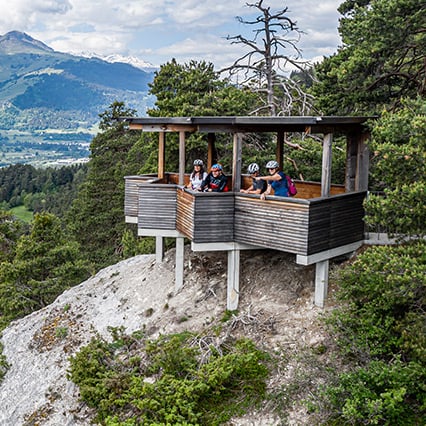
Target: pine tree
x=96, y=218
x=46, y=262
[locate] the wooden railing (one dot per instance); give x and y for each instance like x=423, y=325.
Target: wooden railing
x=206, y=217
x=157, y=206
x=131, y=195
x=294, y=225
x=280, y=223
x=299, y=226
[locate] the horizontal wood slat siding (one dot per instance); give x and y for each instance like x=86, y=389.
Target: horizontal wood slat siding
x=206, y=218
x=336, y=221
x=309, y=190
x=185, y=214
x=131, y=193
x=157, y=207
x=306, y=190
x=131, y=198
x=280, y=225
x=214, y=218
x=292, y=225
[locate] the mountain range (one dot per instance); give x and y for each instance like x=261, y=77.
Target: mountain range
x=50, y=98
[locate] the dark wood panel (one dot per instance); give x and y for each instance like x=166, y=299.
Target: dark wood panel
x=336, y=221
x=346, y=220
x=205, y=217
x=157, y=207
x=131, y=192
x=281, y=225
x=213, y=217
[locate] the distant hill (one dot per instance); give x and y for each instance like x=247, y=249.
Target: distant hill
x=45, y=95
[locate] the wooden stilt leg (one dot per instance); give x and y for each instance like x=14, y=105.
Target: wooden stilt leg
x=321, y=282
x=179, y=263
x=159, y=249
x=233, y=280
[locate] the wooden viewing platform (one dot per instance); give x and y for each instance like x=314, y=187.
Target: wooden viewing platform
x=323, y=221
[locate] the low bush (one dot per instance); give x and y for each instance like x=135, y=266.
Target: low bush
x=175, y=379
x=380, y=327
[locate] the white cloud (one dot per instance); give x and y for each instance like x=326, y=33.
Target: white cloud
x=162, y=29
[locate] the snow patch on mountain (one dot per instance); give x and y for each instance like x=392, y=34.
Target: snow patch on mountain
x=131, y=60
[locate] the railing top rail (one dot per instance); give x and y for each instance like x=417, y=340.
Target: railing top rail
x=274, y=198
x=337, y=196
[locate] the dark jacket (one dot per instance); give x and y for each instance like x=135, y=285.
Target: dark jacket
x=216, y=184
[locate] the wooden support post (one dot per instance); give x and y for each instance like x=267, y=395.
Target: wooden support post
x=279, y=154
x=211, y=137
x=321, y=272
x=326, y=165
x=357, y=163
x=181, y=158
x=363, y=163
x=159, y=249
x=179, y=263
x=321, y=282
x=233, y=280
x=236, y=162
x=351, y=158
x=161, y=154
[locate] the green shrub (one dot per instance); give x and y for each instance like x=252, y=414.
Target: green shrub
x=384, y=295
x=175, y=379
x=381, y=394
x=380, y=327
x=4, y=365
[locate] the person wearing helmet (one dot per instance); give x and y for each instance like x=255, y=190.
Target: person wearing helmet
x=197, y=176
x=215, y=181
x=277, y=180
x=257, y=186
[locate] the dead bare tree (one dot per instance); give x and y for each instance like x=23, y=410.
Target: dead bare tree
x=265, y=65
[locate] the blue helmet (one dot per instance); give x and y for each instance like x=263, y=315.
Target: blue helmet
x=216, y=167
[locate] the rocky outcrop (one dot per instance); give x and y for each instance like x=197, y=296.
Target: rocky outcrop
x=138, y=293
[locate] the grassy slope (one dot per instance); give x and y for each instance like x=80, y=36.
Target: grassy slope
x=22, y=213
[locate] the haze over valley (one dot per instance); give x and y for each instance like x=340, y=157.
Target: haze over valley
x=50, y=101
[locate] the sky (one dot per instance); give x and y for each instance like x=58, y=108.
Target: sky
x=156, y=31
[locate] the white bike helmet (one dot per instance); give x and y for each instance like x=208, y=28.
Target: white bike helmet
x=253, y=168
x=272, y=164
x=198, y=163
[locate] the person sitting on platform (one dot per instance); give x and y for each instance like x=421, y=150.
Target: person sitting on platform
x=257, y=186
x=215, y=181
x=276, y=180
x=197, y=176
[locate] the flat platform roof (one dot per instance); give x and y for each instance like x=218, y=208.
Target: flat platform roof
x=232, y=124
